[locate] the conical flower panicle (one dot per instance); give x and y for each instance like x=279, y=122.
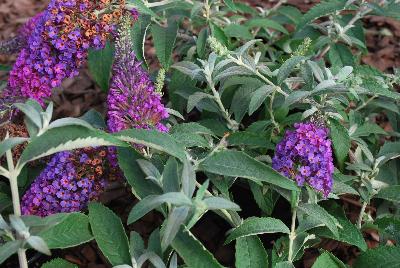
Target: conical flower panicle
x=132, y=99
x=58, y=43
x=305, y=155
x=70, y=180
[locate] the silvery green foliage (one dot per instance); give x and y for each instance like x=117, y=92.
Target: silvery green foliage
x=246, y=80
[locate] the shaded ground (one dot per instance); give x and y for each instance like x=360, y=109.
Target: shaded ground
x=80, y=94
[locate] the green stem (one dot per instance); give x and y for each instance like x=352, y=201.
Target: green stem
x=366, y=103
x=271, y=110
x=13, y=177
x=233, y=125
x=292, y=235
x=361, y=215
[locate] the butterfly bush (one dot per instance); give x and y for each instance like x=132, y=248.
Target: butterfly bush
x=58, y=44
x=70, y=180
x=305, y=155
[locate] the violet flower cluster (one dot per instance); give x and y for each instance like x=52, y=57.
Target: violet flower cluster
x=305, y=155
x=132, y=100
x=69, y=181
x=58, y=44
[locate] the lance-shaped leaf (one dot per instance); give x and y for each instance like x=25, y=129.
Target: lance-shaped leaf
x=255, y=226
x=193, y=252
x=153, y=139
x=391, y=193
x=317, y=212
x=10, y=143
x=250, y=253
x=109, y=234
x=175, y=219
x=383, y=256
x=164, y=41
x=239, y=164
x=287, y=67
x=66, y=138
x=151, y=202
x=57, y=263
x=8, y=249
x=73, y=230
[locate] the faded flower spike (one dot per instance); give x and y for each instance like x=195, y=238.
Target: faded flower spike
x=69, y=181
x=217, y=47
x=132, y=100
x=305, y=155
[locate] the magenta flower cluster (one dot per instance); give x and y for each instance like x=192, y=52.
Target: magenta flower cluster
x=58, y=43
x=132, y=100
x=69, y=181
x=305, y=155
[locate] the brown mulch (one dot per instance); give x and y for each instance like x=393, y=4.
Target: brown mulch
x=80, y=94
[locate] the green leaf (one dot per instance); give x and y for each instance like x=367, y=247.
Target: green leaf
x=94, y=118
x=239, y=164
x=151, y=202
x=214, y=203
x=321, y=10
x=100, y=64
x=8, y=249
x=72, y=231
x=231, y=5
x=266, y=23
x=296, y=96
x=127, y=160
x=173, y=224
x=327, y=260
x=246, y=138
x=284, y=264
x=153, y=139
x=201, y=43
x=38, y=244
x=240, y=102
x=194, y=254
x=291, y=12
x=258, y=97
x=348, y=232
x=340, y=56
x=287, y=67
x=391, y=193
x=250, y=253
x=66, y=138
x=254, y=226
x=238, y=31
x=318, y=213
x=59, y=263
x=10, y=143
x=5, y=201
x=340, y=139
x=142, y=8
x=109, y=234
x=170, y=176
x=164, y=41
x=368, y=129
x=389, y=227
x=218, y=33
x=138, y=35
x=383, y=256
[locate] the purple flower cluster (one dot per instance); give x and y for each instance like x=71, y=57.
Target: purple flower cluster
x=58, y=44
x=132, y=99
x=305, y=155
x=69, y=181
